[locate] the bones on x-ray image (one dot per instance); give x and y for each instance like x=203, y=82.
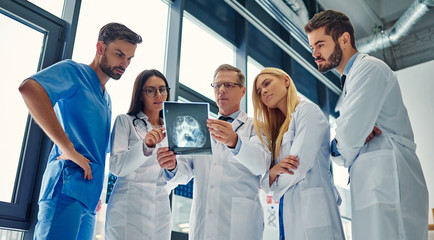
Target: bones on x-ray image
x=188, y=132
x=186, y=127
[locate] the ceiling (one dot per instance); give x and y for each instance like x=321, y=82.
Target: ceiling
x=416, y=44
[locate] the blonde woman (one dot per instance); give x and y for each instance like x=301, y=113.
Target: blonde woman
x=297, y=133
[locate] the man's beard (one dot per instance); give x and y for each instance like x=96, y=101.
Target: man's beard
x=333, y=61
x=110, y=71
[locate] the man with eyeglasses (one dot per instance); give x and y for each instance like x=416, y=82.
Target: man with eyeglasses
x=226, y=202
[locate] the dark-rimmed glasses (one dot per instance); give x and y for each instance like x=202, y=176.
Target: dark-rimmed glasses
x=217, y=86
x=152, y=91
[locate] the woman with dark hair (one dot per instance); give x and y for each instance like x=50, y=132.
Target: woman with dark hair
x=139, y=206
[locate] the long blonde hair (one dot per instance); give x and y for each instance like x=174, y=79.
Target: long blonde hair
x=272, y=122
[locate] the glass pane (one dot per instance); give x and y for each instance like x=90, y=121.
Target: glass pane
x=199, y=46
x=54, y=7
x=346, y=224
x=147, y=18
x=6, y=234
x=253, y=68
x=181, y=207
x=20, y=60
x=340, y=178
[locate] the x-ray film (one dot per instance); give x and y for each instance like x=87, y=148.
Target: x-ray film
x=186, y=130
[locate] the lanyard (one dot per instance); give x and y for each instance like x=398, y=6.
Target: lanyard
x=239, y=126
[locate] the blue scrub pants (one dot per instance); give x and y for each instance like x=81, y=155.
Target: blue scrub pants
x=65, y=218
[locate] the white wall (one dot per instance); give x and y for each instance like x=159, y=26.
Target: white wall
x=417, y=87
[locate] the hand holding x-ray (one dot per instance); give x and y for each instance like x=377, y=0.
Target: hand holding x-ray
x=166, y=158
x=222, y=131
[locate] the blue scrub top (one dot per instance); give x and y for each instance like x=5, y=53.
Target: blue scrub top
x=84, y=111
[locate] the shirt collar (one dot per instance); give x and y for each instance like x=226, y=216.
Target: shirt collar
x=233, y=115
x=350, y=63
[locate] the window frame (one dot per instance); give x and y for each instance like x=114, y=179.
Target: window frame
x=18, y=213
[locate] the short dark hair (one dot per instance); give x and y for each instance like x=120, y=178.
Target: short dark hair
x=116, y=31
x=227, y=67
x=335, y=24
x=136, y=101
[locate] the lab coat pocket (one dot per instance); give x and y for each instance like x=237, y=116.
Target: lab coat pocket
x=374, y=179
x=315, y=210
x=247, y=219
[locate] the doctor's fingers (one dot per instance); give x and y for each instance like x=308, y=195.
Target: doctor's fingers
x=156, y=134
x=370, y=137
x=220, y=137
x=216, y=136
x=159, y=135
x=219, y=125
x=81, y=161
x=281, y=169
x=216, y=122
x=167, y=161
x=377, y=131
x=152, y=138
x=222, y=131
x=289, y=164
x=170, y=164
x=164, y=152
x=293, y=160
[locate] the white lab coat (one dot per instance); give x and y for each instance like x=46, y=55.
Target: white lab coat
x=226, y=202
x=310, y=200
x=139, y=206
x=388, y=189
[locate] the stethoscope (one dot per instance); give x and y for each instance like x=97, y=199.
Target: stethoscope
x=137, y=118
x=135, y=125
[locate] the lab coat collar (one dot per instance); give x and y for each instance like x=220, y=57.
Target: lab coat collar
x=241, y=116
x=141, y=115
x=350, y=63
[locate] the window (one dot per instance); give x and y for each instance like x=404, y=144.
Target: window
x=18, y=49
x=54, y=7
x=202, y=51
x=23, y=142
x=253, y=69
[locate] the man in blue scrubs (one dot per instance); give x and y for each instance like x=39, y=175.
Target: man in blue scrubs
x=69, y=102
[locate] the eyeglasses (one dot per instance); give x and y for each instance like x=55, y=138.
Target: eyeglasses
x=217, y=86
x=152, y=91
